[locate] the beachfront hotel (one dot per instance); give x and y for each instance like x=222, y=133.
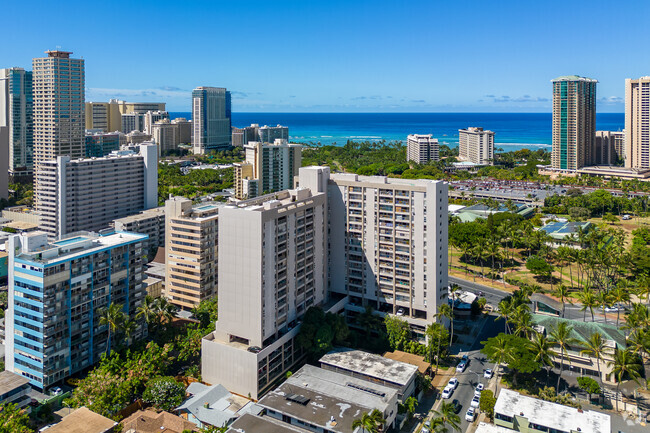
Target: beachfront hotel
x=422, y=148
x=637, y=122
x=476, y=145
x=574, y=122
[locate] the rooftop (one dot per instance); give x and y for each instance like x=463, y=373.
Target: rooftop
x=328, y=399
x=551, y=415
x=83, y=420
x=350, y=177
x=583, y=330
x=37, y=249
x=574, y=78
x=371, y=365
x=222, y=405
x=262, y=424
x=149, y=213
x=409, y=358
x=10, y=381
x=560, y=230
x=491, y=428
x=148, y=421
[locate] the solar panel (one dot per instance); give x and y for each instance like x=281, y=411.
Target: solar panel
x=297, y=399
x=366, y=389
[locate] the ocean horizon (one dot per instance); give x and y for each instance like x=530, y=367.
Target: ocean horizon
x=513, y=131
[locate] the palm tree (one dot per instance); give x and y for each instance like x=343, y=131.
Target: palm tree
x=523, y=321
x=164, y=310
x=113, y=316
x=369, y=422
x=604, y=300
x=434, y=332
x=561, y=336
x=506, y=309
x=588, y=300
x=445, y=310
x=624, y=364
x=147, y=310
x=410, y=405
x=596, y=347
x=446, y=416
x=620, y=295
x=562, y=292
x=501, y=353
x=541, y=347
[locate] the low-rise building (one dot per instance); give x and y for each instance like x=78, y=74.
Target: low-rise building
x=212, y=406
x=249, y=423
x=576, y=361
x=149, y=421
x=320, y=400
x=373, y=368
x=531, y=415
x=14, y=389
x=83, y=420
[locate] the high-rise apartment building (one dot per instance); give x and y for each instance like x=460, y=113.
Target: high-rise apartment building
x=165, y=135
x=273, y=257
x=422, y=148
x=476, y=145
x=574, y=122
x=388, y=243
x=88, y=194
x=608, y=148
x=132, y=122
x=191, y=248
x=184, y=127
x=268, y=134
x=211, y=119
x=369, y=240
x=56, y=293
x=16, y=113
x=99, y=144
x=59, y=110
x=637, y=123
x=4, y=162
x=267, y=168
x=150, y=222
x=151, y=117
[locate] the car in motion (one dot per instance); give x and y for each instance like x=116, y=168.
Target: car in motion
x=461, y=366
x=457, y=406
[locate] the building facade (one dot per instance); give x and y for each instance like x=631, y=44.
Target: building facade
x=17, y=114
x=191, y=251
x=56, y=293
x=132, y=122
x=273, y=257
x=151, y=117
x=476, y=145
x=88, y=194
x=388, y=243
x=637, y=122
x=267, y=168
x=184, y=127
x=268, y=134
x=211, y=119
x=150, y=222
x=422, y=148
x=574, y=122
x=103, y=115
x=59, y=110
x=99, y=144
x=608, y=148
x=165, y=135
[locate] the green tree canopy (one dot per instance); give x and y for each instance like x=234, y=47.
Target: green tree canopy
x=164, y=393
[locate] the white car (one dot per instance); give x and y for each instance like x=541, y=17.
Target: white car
x=453, y=382
x=447, y=392
x=57, y=391
x=488, y=373
x=477, y=391
x=470, y=414
x=461, y=367
x=400, y=312
x=475, y=401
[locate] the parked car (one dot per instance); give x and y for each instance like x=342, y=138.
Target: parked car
x=254, y=349
x=488, y=373
x=453, y=382
x=475, y=401
x=461, y=367
x=479, y=388
x=447, y=392
x=400, y=312
x=457, y=405
x=470, y=414
x=56, y=391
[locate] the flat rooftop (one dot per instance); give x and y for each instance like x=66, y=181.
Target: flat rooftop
x=371, y=365
x=552, y=415
x=262, y=424
x=491, y=428
x=328, y=395
x=149, y=213
x=384, y=180
x=83, y=420
x=10, y=381
x=75, y=246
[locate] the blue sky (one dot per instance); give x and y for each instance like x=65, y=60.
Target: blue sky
x=339, y=56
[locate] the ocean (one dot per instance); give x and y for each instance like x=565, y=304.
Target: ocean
x=513, y=131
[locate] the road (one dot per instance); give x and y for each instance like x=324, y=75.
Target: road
x=494, y=296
